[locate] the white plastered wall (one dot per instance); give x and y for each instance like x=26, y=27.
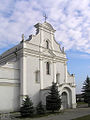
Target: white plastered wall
x=33, y=88
x=9, y=87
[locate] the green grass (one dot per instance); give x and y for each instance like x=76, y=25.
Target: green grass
x=80, y=103
x=87, y=117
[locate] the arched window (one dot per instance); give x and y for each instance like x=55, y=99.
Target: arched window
x=47, y=44
x=48, y=68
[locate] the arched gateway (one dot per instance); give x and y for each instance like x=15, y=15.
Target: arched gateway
x=66, y=97
x=64, y=100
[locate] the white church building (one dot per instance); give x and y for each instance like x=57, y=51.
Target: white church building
x=30, y=67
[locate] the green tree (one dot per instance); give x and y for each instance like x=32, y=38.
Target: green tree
x=53, y=101
x=40, y=108
x=86, y=90
x=27, y=108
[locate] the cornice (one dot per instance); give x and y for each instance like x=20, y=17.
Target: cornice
x=9, y=79
x=41, y=54
x=11, y=56
x=29, y=52
x=27, y=42
x=70, y=84
x=25, y=52
x=45, y=26
x=11, y=68
x=45, y=57
x=9, y=84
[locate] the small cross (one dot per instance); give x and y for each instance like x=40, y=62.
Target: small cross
x=45, y=17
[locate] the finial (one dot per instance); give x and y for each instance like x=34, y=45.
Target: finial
x=45, y=17
x=22, y=37
x=63, y=49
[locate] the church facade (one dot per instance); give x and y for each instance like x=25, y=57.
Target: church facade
x=30, y=67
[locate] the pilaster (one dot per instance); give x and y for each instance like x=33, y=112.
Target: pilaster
x=23, y=80
x=41, y=39
x=52, y=39
x=65, y=73
x=41, y=73
x=73, y=98
x=54, y=72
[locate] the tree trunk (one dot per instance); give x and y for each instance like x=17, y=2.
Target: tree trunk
x=88, y=104
x=52, y=111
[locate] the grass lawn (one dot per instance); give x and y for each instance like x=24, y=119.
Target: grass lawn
x=80, y=103
x=87, y=117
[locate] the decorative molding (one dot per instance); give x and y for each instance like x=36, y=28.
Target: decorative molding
x=45, y=26
x=10, y=56
x=9, y=68
x=10, y=79
x=48, y=61
x=46, y=48
x=70, y=84
x=41, y=59
x=9, y=84
x=39, y=54
x=47, y=40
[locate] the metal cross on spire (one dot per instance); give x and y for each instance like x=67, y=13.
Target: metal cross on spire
x=45, y=17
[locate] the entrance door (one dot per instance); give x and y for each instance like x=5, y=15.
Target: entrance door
x=64, y=100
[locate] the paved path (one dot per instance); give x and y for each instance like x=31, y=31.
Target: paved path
x=67, y=115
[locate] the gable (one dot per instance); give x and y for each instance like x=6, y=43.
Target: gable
x=48, y=52
x=56, y=46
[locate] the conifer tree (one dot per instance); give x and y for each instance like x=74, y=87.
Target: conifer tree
x=53, y=101
x=86, y=90
x=27, y=108
x=40, y=108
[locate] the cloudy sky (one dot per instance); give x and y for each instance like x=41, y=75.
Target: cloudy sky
x=70, y=18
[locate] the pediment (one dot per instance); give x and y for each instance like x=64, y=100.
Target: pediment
x=49, y=53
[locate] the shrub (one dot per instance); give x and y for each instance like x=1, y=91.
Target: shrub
x=86, y=91
x=27, y=108
x=53, y=101
x=40, y=108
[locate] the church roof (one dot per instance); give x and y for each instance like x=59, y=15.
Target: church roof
x=45, y=25
x=48, y=25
